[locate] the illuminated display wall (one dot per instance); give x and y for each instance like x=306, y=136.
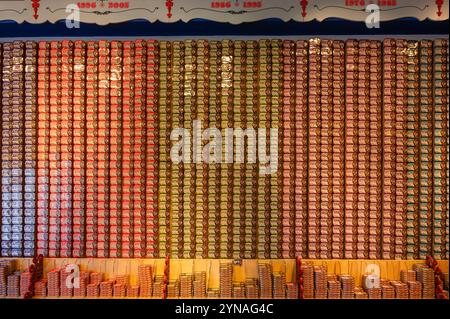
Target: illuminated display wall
x=361, y=172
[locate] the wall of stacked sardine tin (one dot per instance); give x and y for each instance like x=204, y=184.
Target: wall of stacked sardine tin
x=362, y=149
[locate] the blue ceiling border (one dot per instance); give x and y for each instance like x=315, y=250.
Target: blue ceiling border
x=202, y=27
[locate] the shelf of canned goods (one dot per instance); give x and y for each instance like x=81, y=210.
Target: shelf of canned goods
x=222, y=278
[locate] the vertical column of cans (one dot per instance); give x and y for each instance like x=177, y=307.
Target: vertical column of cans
x=276, y=177
x=442, y=72
x=401, y=145
x=315, y=148
x=92, y=66
x=338, y=151
x=152, y=128
x=140, y=151
x=238, y=152
x=115, y=149
x=30, y=148
x=55, y=150
x=66, y=155
x=20, y=176
x=351, y=148
x=1, y=148
x=43, y=141
x=445, y=147
x=264, y=78
x=389, y=146
x=18, y=148
x=288, y=142
x=5, y=221
x=376, y=155
x=103, y=148
x=413, y=152
x=226, y=169
x=165, y=123
x=190, y=111
x=363, y=197
x=426, y=148
x=12, y=147
x=201, y=174
x=7, y=154
x=440, y=160
x=4, y=156
x=177, y=178
x=326, y=151
x=128, y=149
x=214, y=196
x=11, y=150
x=79, y=149
x=245, y=173
x=301, y=120
x=251, y=179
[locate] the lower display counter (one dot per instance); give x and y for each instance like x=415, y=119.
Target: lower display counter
x=223, y=278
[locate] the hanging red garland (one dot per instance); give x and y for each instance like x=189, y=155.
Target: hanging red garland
x=36, y=270
x=299, y=276
x=439, y=277
x=166, y=277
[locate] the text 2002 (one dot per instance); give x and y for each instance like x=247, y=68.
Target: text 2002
x=116, y=5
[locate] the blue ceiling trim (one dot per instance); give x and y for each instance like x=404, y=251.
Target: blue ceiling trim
x=200, y=27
